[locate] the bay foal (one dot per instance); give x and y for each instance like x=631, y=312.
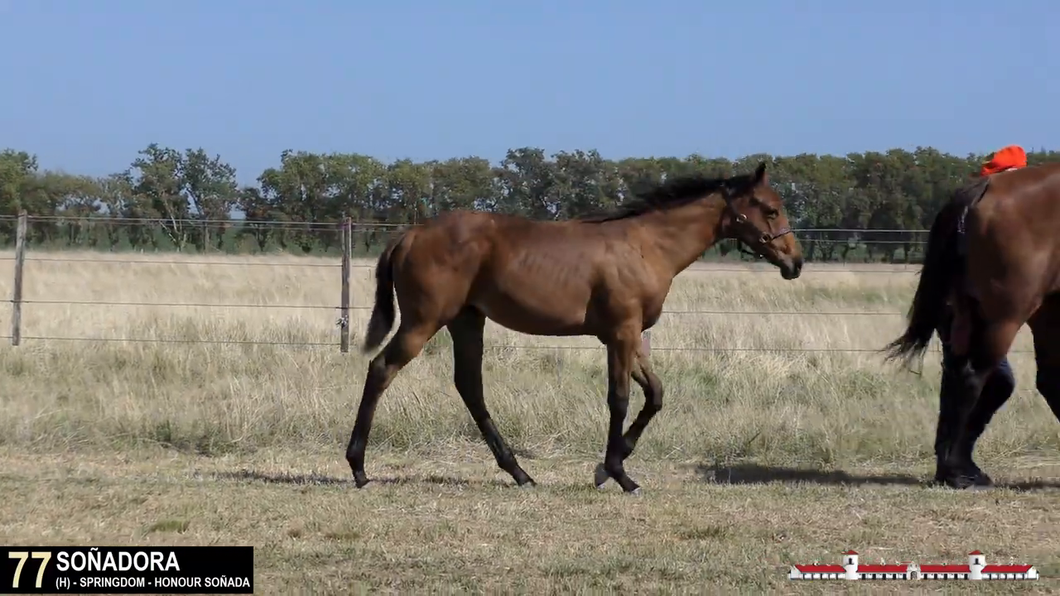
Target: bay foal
x=605, y=276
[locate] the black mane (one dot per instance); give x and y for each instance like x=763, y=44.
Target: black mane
x=673, y=193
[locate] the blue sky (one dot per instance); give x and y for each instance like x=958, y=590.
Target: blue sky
x=87, y=83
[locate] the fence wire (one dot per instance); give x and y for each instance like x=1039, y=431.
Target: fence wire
x=247, y=263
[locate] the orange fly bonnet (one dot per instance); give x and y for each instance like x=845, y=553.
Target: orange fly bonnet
x=1007, y=158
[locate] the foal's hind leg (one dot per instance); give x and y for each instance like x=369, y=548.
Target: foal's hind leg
x=399, y=351
x=621, y=356
x=466, y=331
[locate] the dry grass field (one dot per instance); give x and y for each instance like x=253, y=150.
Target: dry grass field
x=762, y=457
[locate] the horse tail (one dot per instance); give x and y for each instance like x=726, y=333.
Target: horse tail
x=942, y=268
x=383, y=313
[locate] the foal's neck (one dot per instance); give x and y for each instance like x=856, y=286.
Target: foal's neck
x=683, y=234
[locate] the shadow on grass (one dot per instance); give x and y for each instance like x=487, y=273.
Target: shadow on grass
x=1030, y=485
x=738, y=474
x=743, y=474
x=282, y=478
x=322, y=480
x=756, y=474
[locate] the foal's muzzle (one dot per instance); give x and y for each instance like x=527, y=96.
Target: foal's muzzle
x=790, y=267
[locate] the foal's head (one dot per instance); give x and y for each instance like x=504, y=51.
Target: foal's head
x=757, y=219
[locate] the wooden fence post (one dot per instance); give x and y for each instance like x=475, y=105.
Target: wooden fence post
x=16, y=295
x=344, y=300
x=645, y=342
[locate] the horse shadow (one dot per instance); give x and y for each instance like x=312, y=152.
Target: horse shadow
x=753, y=474
x=742, y=474
x=306, y=480
x=735, y=475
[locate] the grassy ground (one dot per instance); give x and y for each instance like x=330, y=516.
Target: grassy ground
x=759, y=459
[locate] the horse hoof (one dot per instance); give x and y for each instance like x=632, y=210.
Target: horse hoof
x=600, y=476
x=974, y=478
x=360, y=480
x=528, y=485
x=635, y=492
x=961, y=481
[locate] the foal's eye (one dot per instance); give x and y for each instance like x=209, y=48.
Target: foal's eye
x=772, y=214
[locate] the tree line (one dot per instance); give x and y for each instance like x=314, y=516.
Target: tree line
x=170, y=199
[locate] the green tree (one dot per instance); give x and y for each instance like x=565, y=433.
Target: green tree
x=178, y=188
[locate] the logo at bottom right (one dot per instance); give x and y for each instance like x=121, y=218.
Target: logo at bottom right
x=975, y=569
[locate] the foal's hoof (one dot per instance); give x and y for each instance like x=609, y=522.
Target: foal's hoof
x=360, y=480
x=600, y=476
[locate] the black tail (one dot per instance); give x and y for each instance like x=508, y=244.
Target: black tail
x=383, y=313
x=942, y=267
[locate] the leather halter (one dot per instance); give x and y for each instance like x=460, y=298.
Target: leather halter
x=739, y=221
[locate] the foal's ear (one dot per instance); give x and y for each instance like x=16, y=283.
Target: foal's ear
x=761, y=177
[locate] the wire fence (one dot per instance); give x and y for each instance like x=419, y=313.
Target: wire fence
x=342, y=309
x=332, y=225
x=104, y=232
x=73, y=230
x=331, y=344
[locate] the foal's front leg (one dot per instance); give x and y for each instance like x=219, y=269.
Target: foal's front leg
x=620, y=357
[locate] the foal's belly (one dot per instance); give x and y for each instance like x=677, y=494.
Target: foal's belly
x=539, y=292
x=535, y=315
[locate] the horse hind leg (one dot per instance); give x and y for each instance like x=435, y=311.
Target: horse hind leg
x=973, y=409
x=466, y=330
x=1045, y=328
x=997, y=389
x=406, y=344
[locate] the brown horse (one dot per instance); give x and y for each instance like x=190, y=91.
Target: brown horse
x=604, y=275
x=993, y=257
